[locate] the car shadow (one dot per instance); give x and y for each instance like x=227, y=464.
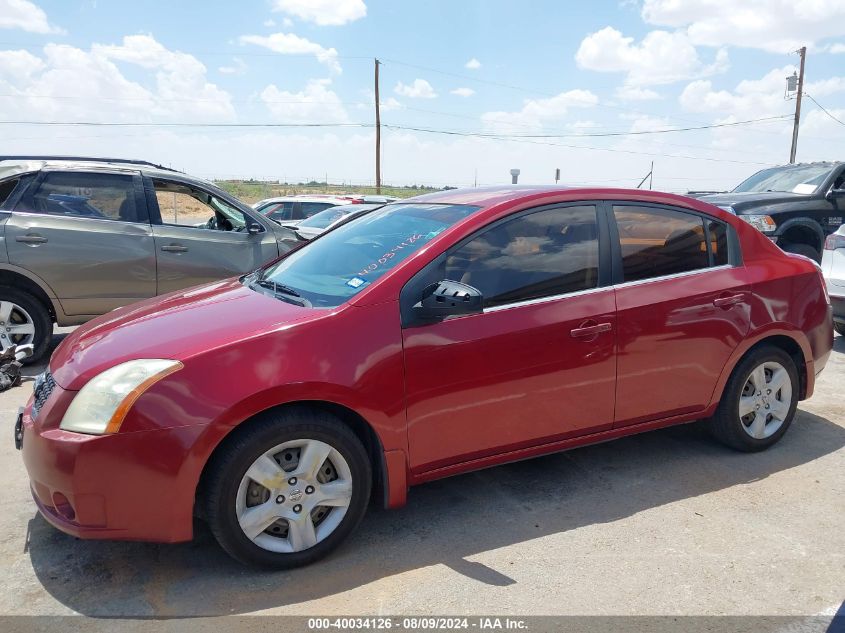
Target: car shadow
x=445, y=522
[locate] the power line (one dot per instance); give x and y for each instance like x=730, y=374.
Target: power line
x=821, y=107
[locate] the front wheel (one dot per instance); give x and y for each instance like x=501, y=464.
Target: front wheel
x=24, y=320
x=759, y=401
x=288, y=489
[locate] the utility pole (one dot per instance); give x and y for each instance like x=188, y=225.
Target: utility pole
x=378, y=134
x=802, y=52
x=651, y=175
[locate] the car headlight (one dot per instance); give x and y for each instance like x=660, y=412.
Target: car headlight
x=763, y=223
x=102, y=404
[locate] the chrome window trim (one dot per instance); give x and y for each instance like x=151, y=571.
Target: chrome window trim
x=687, y=273
x=638, y=282
x=548, y=299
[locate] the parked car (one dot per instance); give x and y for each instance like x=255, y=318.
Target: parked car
x=84, y=236
x=290, y=210
x=321, y=222
x=796, y=206
x=431, y=337
x=833, y=268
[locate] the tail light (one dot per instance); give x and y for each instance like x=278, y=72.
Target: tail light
x=834, y=241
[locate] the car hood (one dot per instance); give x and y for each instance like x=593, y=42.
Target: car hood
x=743, y=201
x=174, y=326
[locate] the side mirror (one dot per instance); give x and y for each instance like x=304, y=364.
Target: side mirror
x=253, y=228
x=448, y=298
x=835, y=193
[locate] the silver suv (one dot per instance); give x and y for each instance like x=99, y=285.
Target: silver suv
x=82, y=236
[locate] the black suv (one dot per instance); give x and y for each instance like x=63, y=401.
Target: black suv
x=796, y=206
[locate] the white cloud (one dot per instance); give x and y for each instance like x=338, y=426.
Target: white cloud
x=536, y=113
x=177, y=89
x=836, y=48
x=661, y=58
x=290, y=44
x=633, y=93
x=391, y=103
x=473, y=64
x=777, y=26
x=420, y=89
x=25, y=15
x=237, y=67
x=315, y=104
x=463, y=92
x=323, y=12
x=269, y=22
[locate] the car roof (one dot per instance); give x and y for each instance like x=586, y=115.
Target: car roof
x=496, y=194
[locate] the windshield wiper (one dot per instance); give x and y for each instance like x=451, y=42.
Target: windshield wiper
x=277, y=287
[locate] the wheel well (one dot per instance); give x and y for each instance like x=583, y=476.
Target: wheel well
x=356, y=423
x=16, y=280
x=792, y=348
x=802, y=234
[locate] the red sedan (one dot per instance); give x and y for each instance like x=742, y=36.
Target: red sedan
x=431, y=337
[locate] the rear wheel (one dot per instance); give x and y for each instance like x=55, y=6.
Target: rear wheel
x=803, y=249
x=24, y=320
x=759, y=401
x=288, y=489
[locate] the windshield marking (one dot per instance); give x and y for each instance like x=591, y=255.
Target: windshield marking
x=381, y=261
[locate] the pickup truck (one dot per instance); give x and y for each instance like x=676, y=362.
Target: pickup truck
x=796, y=206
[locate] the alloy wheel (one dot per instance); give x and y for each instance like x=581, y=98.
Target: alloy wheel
x=16, y=325
x=765, y=400
x=294, y=496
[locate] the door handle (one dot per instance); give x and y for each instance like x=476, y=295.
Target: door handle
x=727, y=302
x=31, y=238
x=590, y=330
x=174, y=248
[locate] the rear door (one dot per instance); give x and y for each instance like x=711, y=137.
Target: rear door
x=199, y=237
x=87, y=235
x=682, y=308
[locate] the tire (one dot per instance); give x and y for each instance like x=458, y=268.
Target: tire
x=804, y=249
x=839, y=327
x=741, y=433
x=229, y=491
x=25, y=308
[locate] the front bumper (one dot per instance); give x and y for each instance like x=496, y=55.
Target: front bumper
x=128, y=486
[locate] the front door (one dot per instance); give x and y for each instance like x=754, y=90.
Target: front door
x=88, y=236
x=537, y=365
x=202, y=238
x=682, y=307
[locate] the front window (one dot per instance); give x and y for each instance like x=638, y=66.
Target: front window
x=331, y=270
x=182, y=205
x=791, y=179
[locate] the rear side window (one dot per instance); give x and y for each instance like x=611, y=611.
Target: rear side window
x=541, y=254
x=658, y=242
x=6, y=189
x=718, y=243
x=85, y=195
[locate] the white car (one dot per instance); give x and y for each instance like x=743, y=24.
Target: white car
x=833, y=267
x=290, y=210
x=321, y=222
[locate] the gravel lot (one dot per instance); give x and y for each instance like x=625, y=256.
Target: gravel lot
x=667, y=522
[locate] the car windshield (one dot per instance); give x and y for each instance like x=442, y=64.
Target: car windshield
x=332, y=269
x=791, y=178
x=324, y=218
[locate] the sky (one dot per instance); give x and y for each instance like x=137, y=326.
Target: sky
x=469, y=89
